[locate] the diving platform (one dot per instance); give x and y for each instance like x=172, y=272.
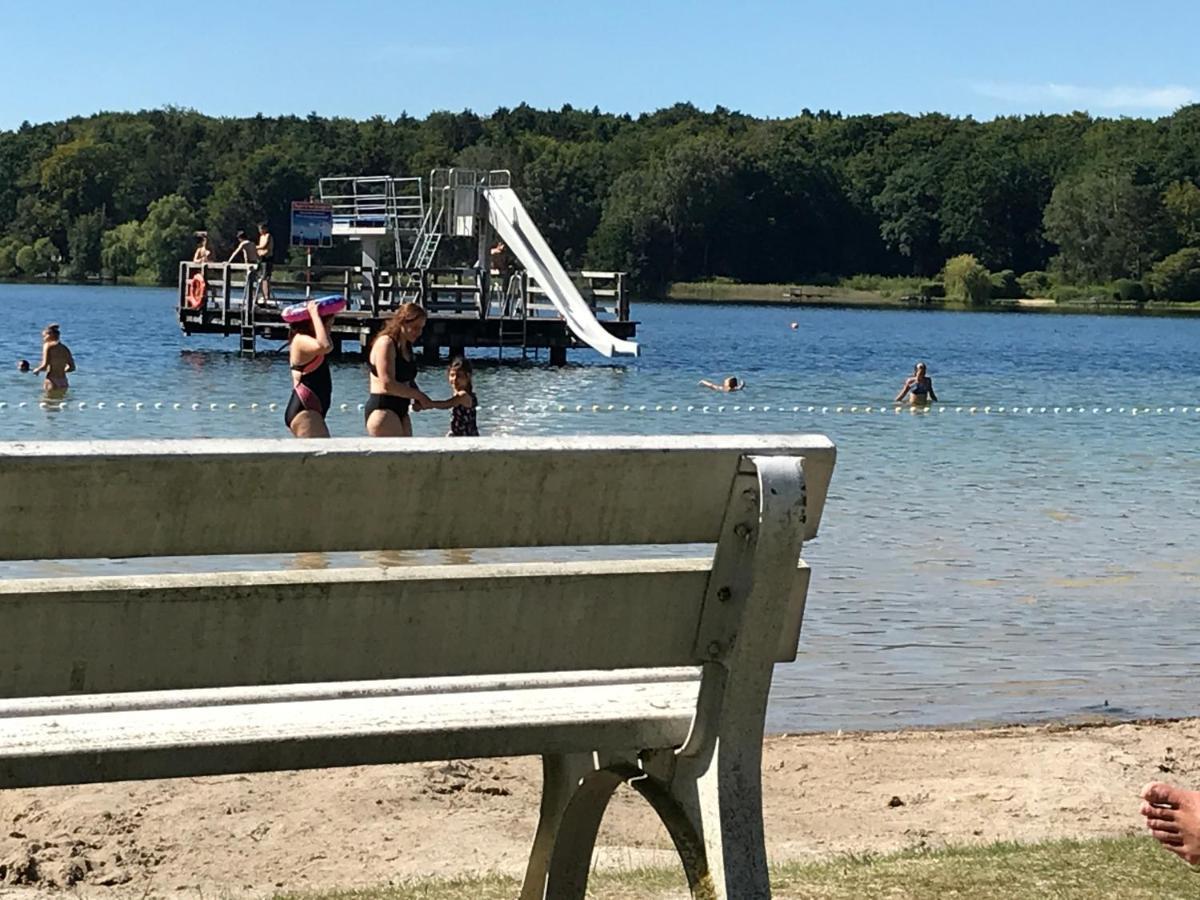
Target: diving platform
x=530, y=305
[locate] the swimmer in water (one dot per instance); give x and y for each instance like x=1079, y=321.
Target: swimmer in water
x=918, y=388
x=57, y=361
x=23, y=366
x=728, y=386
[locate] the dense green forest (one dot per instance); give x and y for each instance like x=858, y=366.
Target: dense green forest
x=1039, y=203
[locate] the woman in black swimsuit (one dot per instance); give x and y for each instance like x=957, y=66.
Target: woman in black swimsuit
x=393, y=375
x=312, y=384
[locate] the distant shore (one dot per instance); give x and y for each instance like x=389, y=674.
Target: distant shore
x=808, y=295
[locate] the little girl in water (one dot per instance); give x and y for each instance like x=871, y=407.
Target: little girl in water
x=463, y=403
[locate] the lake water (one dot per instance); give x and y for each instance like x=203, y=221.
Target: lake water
x=999, y=566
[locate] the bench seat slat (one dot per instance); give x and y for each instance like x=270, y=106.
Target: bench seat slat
x=411, y=727
x=162, y=632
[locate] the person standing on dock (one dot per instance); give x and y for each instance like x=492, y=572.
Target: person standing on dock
x=500, y=261
x=246, y=250
x=203, y=254
x=393, y=375
x=266, y=260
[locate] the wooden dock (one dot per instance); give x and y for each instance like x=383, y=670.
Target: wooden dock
x=467, y=308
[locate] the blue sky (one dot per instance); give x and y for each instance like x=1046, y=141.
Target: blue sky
x=357, y=59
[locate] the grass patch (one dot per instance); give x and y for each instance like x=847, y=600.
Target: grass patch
x=1133, y=868
x=885, y=285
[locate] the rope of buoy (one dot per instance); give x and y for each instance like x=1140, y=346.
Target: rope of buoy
x=143, y=406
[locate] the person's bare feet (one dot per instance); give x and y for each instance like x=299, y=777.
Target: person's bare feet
x=1173, y=817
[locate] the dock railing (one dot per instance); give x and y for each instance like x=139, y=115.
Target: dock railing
x=227, y=287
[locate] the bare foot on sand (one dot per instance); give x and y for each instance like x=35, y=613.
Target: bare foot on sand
x=1173, y=817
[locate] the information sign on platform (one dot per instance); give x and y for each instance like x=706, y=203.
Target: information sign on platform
x=312, y=224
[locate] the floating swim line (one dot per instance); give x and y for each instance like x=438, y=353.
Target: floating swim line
x=644, y=408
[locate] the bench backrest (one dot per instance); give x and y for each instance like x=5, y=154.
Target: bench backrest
x=203, y=498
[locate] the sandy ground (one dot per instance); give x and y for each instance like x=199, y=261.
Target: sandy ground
x=824, y=794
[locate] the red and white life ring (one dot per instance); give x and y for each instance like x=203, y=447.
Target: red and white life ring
x=195, y=291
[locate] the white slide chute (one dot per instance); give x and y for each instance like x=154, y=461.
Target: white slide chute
x=508, y=216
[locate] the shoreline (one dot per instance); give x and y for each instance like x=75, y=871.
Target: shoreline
x=825, y=795
x=810, y=296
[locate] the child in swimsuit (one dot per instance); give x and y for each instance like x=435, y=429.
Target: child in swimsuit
x=312, y=382
x=463, y=404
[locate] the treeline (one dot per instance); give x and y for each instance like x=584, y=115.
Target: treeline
x=675, y=195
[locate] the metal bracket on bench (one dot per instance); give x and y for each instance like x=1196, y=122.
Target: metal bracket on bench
x=749, y=586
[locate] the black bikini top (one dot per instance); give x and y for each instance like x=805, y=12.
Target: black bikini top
x=406, y=369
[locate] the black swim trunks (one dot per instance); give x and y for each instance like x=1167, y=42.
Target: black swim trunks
x=390, y=402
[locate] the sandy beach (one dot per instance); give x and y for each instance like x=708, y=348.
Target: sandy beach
x=825, y=794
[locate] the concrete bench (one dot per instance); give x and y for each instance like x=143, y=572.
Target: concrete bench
x=642, y=665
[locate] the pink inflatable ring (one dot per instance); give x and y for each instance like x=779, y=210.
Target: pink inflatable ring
x=326, y=306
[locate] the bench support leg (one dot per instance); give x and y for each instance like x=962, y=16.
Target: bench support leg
x=561, y=775
x=709, y=792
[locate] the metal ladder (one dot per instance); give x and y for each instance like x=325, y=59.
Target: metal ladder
x=426, y=250
x=246, y=335
x=510, y=298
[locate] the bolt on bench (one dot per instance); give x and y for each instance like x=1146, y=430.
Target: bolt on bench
x=646, y=668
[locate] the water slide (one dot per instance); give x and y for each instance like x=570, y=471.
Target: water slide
x=516, y=229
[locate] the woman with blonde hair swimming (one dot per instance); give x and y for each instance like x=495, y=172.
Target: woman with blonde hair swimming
x=393, y=375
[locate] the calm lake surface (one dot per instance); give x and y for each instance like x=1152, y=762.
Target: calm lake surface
x=1009, y=566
